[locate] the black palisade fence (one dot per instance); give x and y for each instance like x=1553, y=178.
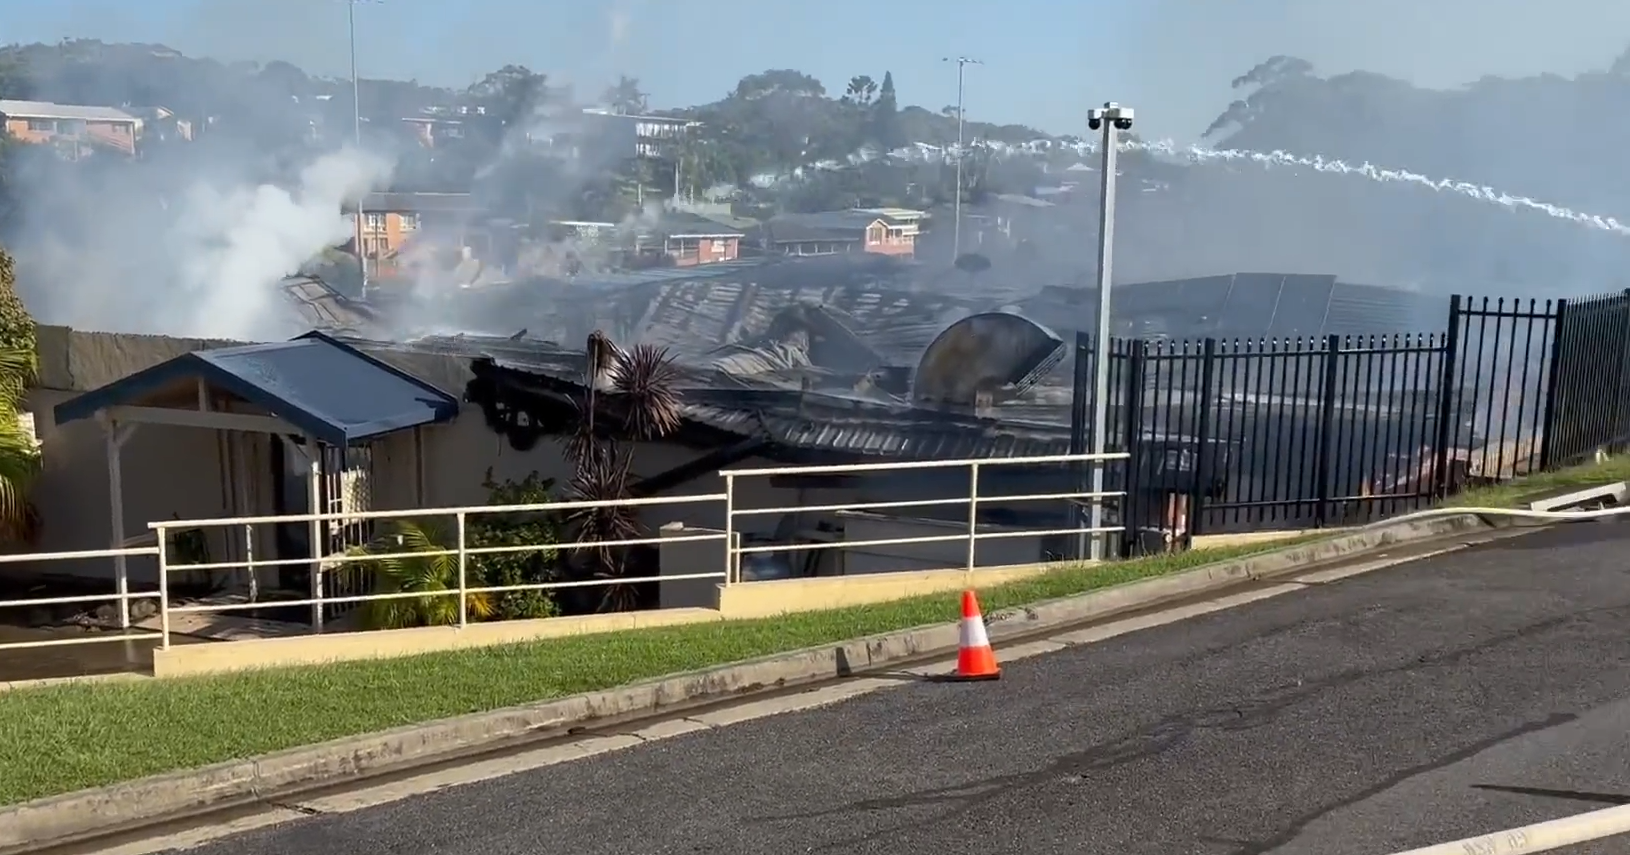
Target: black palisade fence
x=1229, y=435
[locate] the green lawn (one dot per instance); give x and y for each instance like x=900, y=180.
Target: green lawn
x=67, y=737
x=1511, y=493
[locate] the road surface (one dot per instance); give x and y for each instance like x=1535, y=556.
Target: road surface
x=1409, y=706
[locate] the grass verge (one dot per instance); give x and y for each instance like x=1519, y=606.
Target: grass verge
x=69, y=737
x=1512, y=493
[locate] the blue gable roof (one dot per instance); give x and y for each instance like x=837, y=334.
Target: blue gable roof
x=326, y=388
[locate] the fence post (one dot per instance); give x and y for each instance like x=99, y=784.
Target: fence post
x=729, y=528
x=1078, y=438
x=463, y=573
x=1446, y=398
x=1327, y=426
x=973, y=514
x=1202, y=457
x=1616, y=440
x=1130, y=524
x=163, y=585
x=1547, y=441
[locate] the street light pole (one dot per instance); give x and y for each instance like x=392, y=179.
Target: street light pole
x=356, y=130
x=1111, y=119
x=962, y=63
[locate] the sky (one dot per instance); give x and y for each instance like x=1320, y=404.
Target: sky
x=1044, y=61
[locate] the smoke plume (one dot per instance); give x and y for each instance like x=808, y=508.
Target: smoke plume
x=191, y=246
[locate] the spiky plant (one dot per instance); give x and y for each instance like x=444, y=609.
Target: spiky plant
x=603, y=477
x=644, y=380
x=19, y=457
x=398, y=570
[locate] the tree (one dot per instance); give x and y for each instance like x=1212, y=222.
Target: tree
x=886, y=116
x=414, y=558
x=860, y=92
x=629, y=396
x=511, y=94
x=625, y=96
x=19, y=363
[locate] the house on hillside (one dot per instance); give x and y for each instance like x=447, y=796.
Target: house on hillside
x=75, y=129
x=837, y=233
x=674, y=238
x=391, y=220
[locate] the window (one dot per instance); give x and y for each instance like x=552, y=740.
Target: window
x=721, y=247
x=410, y=222
x=375, y=222
x=42, y=126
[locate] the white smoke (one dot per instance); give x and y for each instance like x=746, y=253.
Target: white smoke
x=179, y=251
x=234, y=244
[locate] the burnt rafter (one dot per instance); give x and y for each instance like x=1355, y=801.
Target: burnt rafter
x=522, y=412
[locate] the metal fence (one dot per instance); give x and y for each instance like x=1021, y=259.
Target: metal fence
x=439, y=573
x=1242, y=434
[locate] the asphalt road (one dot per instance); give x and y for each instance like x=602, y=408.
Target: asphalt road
x=1358, y=718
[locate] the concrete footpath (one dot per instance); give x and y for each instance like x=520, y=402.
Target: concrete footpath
x=1475, y=691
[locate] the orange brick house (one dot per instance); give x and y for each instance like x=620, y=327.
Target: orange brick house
x=79, y=127
x=390, y=220
x=839, y=232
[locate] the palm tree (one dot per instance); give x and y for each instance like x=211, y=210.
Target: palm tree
x=397, y=571
x=628, y=396
x=19, y=455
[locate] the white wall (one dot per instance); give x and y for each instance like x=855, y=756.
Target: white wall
x=167, y=472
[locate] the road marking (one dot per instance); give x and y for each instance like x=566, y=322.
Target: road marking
x=367, y=796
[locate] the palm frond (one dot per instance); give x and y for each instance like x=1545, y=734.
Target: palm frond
x=646, y=379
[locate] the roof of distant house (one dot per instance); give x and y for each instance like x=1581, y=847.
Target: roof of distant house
x=826, y=225
x=684, y=224
x=407, y=203
x=48, y=110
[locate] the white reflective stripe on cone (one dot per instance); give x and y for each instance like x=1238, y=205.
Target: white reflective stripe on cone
x=973, y=633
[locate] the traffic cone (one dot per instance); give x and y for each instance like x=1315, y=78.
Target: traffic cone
x=975, y=660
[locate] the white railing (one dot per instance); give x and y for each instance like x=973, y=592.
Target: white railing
x=1539, y=837
x=122, y=595
x=462, y=589
x=971, y=534
x=464, y=585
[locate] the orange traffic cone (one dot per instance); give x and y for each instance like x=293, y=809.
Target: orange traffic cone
x=975, y=660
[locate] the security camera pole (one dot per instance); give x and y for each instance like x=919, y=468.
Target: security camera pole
x=1111, y=119
x=356, y=129
x=962, y=63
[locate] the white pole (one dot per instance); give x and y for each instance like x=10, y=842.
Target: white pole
x=962, y=64
x=956, y=230
x=116, y=514
x=1100, y=397
x=356, y=128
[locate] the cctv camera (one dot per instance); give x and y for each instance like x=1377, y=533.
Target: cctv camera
x=1094, y=123
x=1123, y=124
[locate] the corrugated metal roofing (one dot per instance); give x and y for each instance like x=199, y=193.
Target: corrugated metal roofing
x=327, y=389
x=49, y=110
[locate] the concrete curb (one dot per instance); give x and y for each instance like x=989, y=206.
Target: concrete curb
x=125, y=806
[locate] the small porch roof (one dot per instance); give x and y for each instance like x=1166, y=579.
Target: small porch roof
x=316, y=385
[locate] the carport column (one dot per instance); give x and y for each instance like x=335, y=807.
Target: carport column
x=314, y=493
x=117, y=435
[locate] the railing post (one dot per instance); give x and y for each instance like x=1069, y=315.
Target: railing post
x=973, y=513
x=163, y=586
x=1078, y=438
x=1547, y=442
x=730, y=556
x=1131, y=537
x=463, y=573
x=1446, y=401
x=1327, y=427
x=1202, y=456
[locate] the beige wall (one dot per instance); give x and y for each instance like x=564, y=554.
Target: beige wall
x=167, y=472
